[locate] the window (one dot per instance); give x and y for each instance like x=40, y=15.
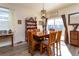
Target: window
x=51, y=24
x=59, y=24
x=4, y=18
x=56, y=24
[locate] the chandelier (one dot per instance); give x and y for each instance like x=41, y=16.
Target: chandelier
x=43, y=13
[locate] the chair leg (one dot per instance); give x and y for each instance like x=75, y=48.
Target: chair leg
x=60, y=48
x=28, y=47
x=54, y=49
x=49, y=51
x=41, y=48
x=32, y=50
x=57, y=48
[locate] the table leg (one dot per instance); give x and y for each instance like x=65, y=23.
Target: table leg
x=12, y=41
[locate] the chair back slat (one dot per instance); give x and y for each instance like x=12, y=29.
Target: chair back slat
x=32, y=33
x=59, y=33
x=52, y=37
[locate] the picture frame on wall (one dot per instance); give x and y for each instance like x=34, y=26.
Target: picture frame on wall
x=19, y=21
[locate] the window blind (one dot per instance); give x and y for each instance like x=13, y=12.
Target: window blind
x=4, y=18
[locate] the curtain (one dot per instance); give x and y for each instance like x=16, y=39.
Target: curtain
x=66, y=29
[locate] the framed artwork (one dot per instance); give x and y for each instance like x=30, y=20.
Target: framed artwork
x=19, y=21
x=73, y=18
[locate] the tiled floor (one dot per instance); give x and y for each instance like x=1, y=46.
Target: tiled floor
x=22, y=50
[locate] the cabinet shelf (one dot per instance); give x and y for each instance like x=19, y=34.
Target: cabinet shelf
x=30, y=21
x=31, y=24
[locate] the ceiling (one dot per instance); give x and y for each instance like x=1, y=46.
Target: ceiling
x=33, y=9
x=39, y=6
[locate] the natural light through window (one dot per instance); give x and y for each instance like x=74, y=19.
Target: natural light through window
x=55, y=23
x=4, y=18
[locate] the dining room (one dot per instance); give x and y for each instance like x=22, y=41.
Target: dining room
x=38, y=29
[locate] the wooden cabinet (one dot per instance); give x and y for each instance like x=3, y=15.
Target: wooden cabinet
x=74, y=38
x=30, y=23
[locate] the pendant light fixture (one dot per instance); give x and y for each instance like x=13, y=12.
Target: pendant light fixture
x=43, y=13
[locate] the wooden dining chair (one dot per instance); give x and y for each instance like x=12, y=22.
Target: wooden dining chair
x=58, y=42
x=49, y=43
x=29, y=40
x=33, y=42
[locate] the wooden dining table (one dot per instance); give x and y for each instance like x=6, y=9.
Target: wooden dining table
x=39, y=36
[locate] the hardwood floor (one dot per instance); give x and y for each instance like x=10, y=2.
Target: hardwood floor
x=14, y=51
x=22, y=50
x=18, y=50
